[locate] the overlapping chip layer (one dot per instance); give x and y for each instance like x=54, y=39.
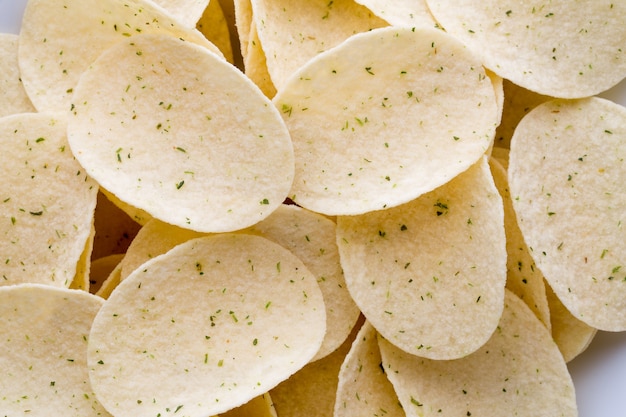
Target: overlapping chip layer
x=327, y=222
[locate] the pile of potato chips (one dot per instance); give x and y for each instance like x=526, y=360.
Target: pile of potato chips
x=308, y=208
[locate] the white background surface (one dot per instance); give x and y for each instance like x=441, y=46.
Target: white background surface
x=599, y=373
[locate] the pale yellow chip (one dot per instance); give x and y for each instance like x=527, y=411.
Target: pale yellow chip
x=311, y=391
x=519, y=372
x=524, y=278
x=214, y=26
x=43, y=366
x=363, y=389
x=312, y=238
x=566, y=177
x=243, y=22
x=47, y=201
x=14, y=97
x=59, y=40
x=294, y=31
x=255, y=64
x=100, y=270
x=83, y=266
x=401, y=12
x=571, y=335
x=558, y=48
x=423, y=272
x=216, y=321
x=153, y=239
x=372, y=125
x=224, y=155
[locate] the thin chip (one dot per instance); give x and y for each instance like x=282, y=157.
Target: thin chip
x=294, y=31
x=558, y=48
x=519, y=371
x=188, y=12
x=363, y=388
x=14, y=97
x=46, y=204
x=214, y=26
x=59, y=40
x=371, y=124
x=524, y=278
x=566, y=176
x=422, y=272
x=44, y=351
x=224, y=155
x=312, y=238
x=242, y=316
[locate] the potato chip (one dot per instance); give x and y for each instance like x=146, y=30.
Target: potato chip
x=524, y=279
x=188, y=12
x=519, y=372
x=100, y=270
x=224, y=155
x=571, y=335
x=401, y=12
x=310, y=392
x=312, y=238
x=47, y=202
x=243, y=21
x=566, y=174
x=292, y=32
x=83, y=266
x=371, y=124
x=422, y=272
x=154, y=239
x=43, y=366
x=14, y=97
x=558, y=48
x=363, y=388
x=213, y=25
x=59, y=40
x=216, y=321
x=110, y=283
x=255, y=64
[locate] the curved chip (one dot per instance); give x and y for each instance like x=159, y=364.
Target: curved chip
x=47, y=201
x=213, y=154
x=43, y=366
x=518, y=372
x=558, y=48
x=292, y=32
x=188, y=12
x=216, y=321
x=312, y=238
x=372, y=124
x=14, y=97
x=363, y=388
x=422, y=272
x=566, y=176
x=60, y=39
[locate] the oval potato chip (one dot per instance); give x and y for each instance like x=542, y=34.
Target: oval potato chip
x=224, y=155
x=43, y=366
x=401, y=12
x=60, y=39
x=47, y=201
x=312, y=238
x=518, y=372
x=363, y=389
x=559, y=48
x=14, y=97
x=372, y=124
x=216, y=321
x=422, y=272
x=566, y=177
